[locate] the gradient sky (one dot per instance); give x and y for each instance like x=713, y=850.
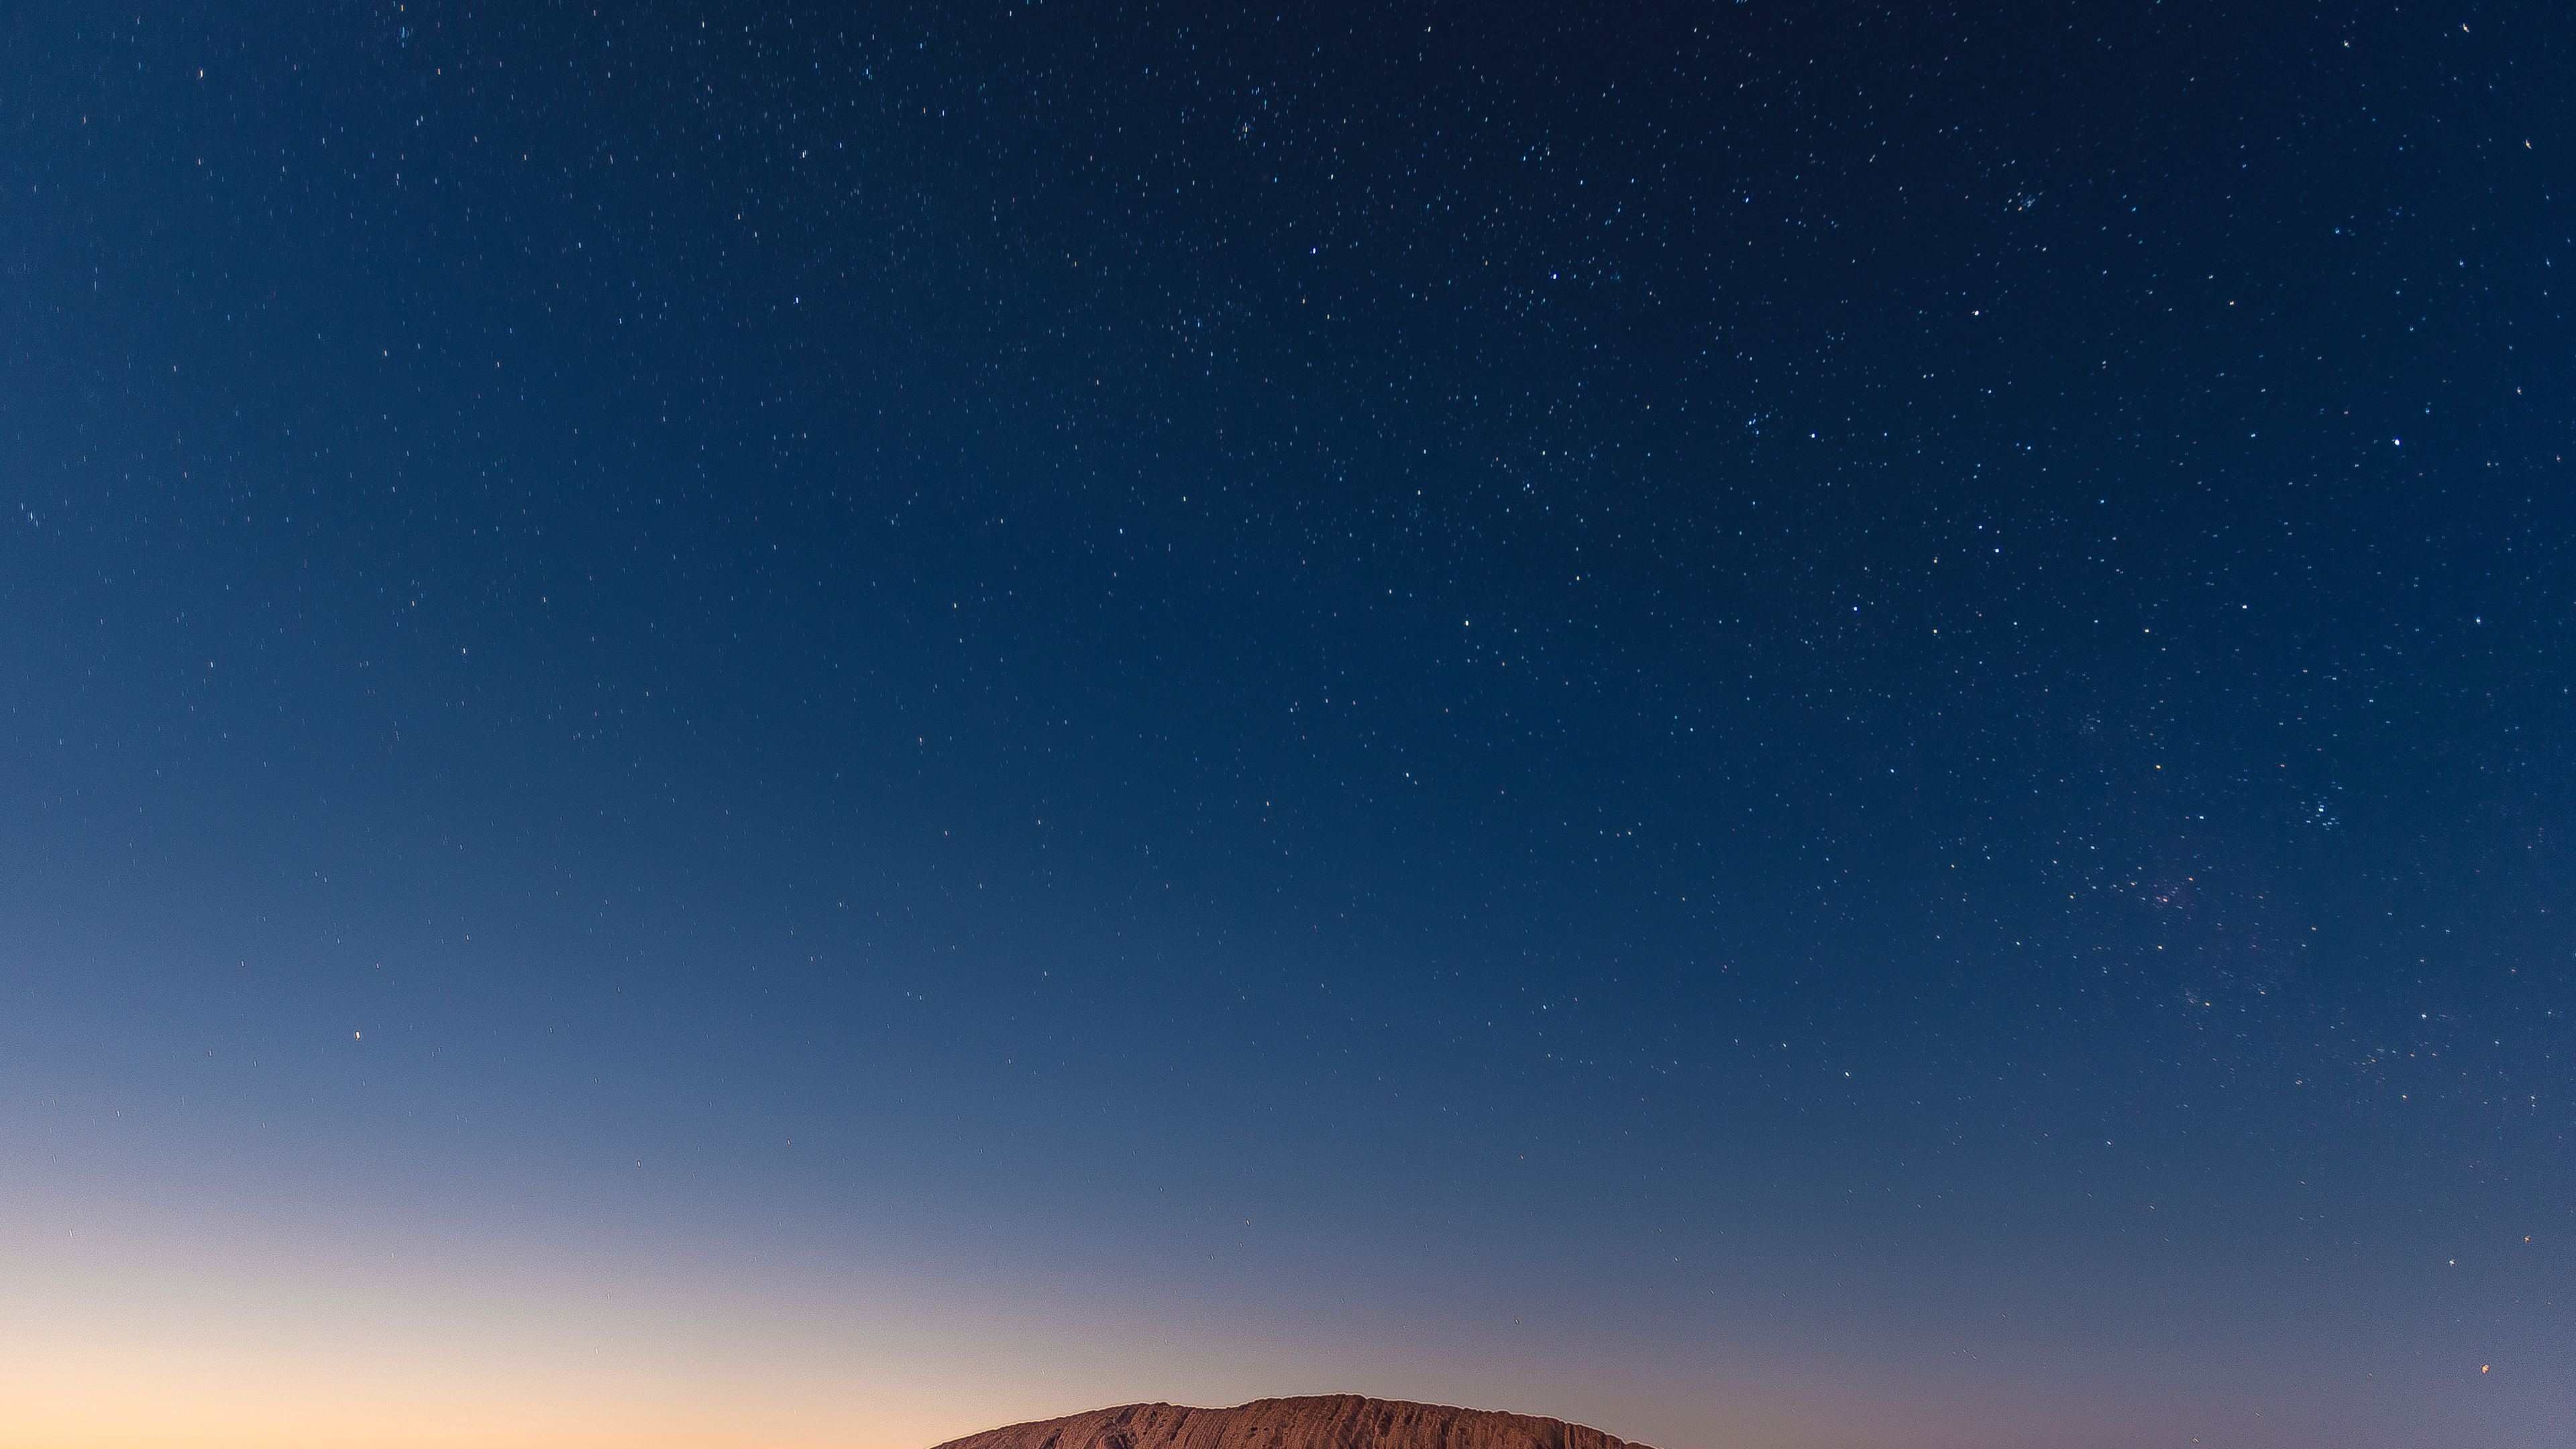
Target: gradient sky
x=1770, y=724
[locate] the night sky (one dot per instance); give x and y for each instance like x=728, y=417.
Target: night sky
x=1774, y=724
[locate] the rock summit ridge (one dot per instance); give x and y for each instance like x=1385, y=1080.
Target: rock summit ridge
x=1328, y=1421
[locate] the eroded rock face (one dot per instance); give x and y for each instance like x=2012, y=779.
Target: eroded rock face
x=1340, y=1421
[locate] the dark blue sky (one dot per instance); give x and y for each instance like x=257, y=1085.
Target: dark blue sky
x=1881, y=693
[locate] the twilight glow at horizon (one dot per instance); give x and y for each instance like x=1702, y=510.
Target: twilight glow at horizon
x=1774, y=726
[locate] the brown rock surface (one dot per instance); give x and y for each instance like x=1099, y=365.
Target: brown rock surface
x=1338, y=1421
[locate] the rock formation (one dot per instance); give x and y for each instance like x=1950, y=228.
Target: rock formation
x=1339, y=1421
